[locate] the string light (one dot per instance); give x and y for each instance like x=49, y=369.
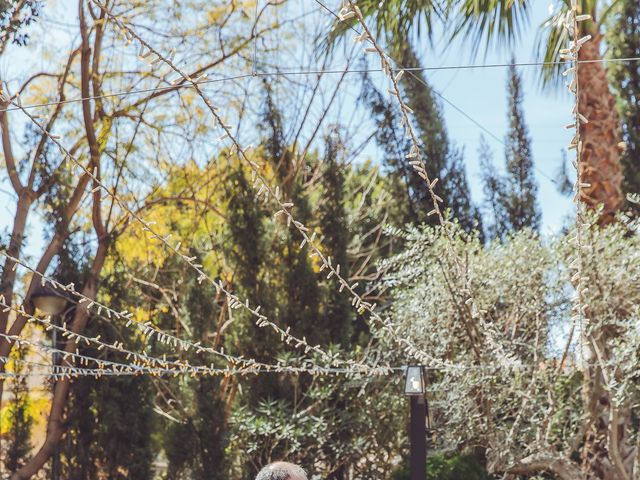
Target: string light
x=233, y=301
x=146, y=328
x=416, y=160
x=265, y=192
x=152, y=364
x=67, y=371
x=571, y=24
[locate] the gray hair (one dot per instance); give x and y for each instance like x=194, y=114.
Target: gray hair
x=282, y=471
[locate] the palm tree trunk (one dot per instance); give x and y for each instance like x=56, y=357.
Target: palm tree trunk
x=606, y=452
x=600, y=165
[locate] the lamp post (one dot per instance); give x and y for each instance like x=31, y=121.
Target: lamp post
x=51, y=302
x=415, y=389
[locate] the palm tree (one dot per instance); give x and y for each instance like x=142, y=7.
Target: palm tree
x=501, y=22
x=604, y=449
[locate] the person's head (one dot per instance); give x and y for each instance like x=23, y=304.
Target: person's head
x=282, y=471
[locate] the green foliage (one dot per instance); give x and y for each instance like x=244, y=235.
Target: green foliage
x=337, y=311
x=441, y=467
x=512, y=199
x=109, y=420
x=521, y=361
x=322, y=423
x=492, y=22
x=447, y=467
x=359, y=440
x=196, y=439
x=442, y=159
x=17, y=443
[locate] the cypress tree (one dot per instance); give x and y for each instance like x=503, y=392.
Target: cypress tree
x=623, y=39
x=302, y=293
x=109, y=420
x=496, y=220
x=443, y=160
x=249, y=256
x=521, y=197
x=394, y=147
x=337, y=313
x=195, y=447
x=511, y=199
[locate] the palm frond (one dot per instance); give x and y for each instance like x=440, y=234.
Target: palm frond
x=550, y=39
x=395, y=18
x=489, y=22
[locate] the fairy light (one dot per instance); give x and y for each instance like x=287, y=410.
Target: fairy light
x=265, y=192
x=116, y=369
x=82, y=359
x=571, y=24
x=416, y=160
x=146, y=328
x=233, y=300
x=116, y=346
x=153, y=364
x=170, y=368
x=69, y=372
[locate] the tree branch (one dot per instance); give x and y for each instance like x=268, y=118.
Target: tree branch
x=549, y=462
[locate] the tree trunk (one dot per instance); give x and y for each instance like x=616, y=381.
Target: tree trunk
x=55, y=425
x=606, y=451
x=600, y=163
x=15, y=249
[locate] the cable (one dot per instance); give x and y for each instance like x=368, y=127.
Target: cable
x=266, y=192
x=278, y=73
x=411, y=71
x=66, y=371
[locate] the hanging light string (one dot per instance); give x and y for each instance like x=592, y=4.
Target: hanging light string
x=115, y=369
x=266, y=192
x=84, y=360
x=579, y=309
x=69, y=371
x=170, y=367
x=146, y=328
x=117, y=346
x=152, y=364
x=417, y=162
x=234, y=302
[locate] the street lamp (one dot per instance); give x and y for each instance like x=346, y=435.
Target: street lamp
x=49, y=300
x=415, y=386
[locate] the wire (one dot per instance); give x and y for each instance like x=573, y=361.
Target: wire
x=278, y=73
x=411, y=71
x=62, y=371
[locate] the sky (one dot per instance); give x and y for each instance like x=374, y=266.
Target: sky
x=479, y=93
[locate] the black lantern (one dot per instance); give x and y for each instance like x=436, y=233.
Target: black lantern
x=415, y=386
x=415, y=382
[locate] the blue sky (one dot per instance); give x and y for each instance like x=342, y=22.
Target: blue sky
x=480, y=93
